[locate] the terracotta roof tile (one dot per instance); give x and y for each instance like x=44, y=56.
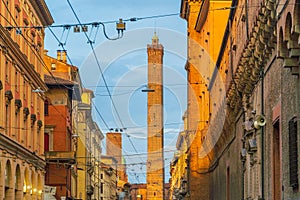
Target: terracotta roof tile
x=49, y=80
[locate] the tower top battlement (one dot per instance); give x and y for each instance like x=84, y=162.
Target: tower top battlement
x=155, y=43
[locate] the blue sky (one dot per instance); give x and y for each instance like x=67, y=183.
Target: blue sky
x=124, y=65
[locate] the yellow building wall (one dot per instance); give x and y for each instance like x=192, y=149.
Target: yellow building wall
x=59, y=67
x=204, y=43
x=84, y=152
x=81, y=159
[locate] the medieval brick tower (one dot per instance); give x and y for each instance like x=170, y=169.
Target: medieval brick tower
x=114, y=149
x=155, y=162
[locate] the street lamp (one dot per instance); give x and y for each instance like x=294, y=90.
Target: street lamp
x=147, y=89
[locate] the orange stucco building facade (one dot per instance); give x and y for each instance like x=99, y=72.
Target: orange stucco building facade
x=205, y=28
x=22, y=160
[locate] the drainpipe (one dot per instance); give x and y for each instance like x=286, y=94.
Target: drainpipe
x=262, y=137
x=243, y=163
x=188, y=175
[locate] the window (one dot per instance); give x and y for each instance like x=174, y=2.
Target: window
x=7, y=71
x=101, y=188
x=46, y=142
x=46, y=107
x=53, y=66
x=17, y=77
x=6, y=11
x=228, y=184
x=276, y=161
x=8, y=118
x=293, y=153
x=24, y=90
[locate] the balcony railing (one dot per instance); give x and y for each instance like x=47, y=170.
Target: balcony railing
x=61, y=156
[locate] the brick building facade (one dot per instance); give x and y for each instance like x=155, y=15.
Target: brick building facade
x=60, y=152
x=204, y=43
x=114, y=148
x=155, y=138
x=252, y=134
x=259, y=162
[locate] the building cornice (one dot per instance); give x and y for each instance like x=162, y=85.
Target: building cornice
x=184, y=8
x=20, y=152
x=42, y=11
x=12, y=49
x=255, y=55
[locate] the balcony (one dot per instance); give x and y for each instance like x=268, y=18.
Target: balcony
x=61, y=156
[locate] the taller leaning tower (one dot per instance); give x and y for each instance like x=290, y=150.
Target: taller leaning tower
x=155, y=162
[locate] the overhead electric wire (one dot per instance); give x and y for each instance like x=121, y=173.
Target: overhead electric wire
x=96, y=108
x=139, y=86
x=29, y=44
x=102, y=75
x=134, y=19
x=42, y=61
x=45, y=66
x=92, y=101
x=69, y=59
x=126, y=155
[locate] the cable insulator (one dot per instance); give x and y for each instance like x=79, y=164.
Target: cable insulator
x=133, y=19
x=120, y=25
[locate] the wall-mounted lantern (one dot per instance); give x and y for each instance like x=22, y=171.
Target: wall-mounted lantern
x=25, y=112
x=18, y=104
x=109, y=171
x=8, y=97
x=39, y=124
x=252, y=144
x=243, y=154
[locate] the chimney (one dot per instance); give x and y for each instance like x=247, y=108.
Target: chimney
x=58, y=55
x=64, y=56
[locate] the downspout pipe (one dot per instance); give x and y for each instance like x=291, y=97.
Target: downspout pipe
x=262, y=137
x=243, y=162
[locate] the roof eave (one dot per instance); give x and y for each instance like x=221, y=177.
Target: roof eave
x=43, y=12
